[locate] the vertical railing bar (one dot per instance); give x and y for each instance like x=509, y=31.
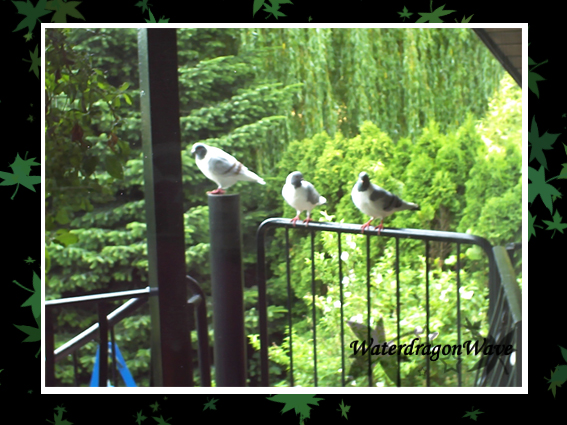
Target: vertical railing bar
x=262, y=307
x=314, y=313
x=399, y=383
x=103, y=344
x=459, y=366
x=289, y=306
x=427, y=309
x=368, y=310
x=113, y=351
x=75, y=368
x=342, y=312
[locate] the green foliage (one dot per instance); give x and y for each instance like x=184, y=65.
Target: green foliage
x=329, y=103
x=397, y=78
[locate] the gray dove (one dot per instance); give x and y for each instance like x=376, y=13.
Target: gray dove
x=301, y=195
x=376, y=202
x=221, y=167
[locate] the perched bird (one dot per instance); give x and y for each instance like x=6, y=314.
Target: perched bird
x=301, y=195
x=221, y=167
x=376, y=202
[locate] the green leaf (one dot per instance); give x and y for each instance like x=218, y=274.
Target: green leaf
x=434, y=16
x=34, y=334
x=257, y=5
x=560, y=375
x=563, y=353
x=35, y=61
x=556, y=224
x=34, y=301
x=210, y=404
x=114, y=167
x=343, y=409
x=62, y=9
x=540, y=187
x=273, y=9
x=32, y=13
x=533, y=78
x=21, y=168
x=472, y=414
x=404, y=13
x=299, y=402
x=540, y=143
x=144, y=5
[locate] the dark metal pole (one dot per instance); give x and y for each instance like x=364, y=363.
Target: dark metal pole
x=170, y=336
x=227, y=288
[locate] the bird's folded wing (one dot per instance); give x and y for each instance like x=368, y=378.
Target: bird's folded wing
x=312, y=194
x=220, y=166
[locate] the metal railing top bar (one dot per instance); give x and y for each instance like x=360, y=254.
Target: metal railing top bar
x=147, y=291
x=431, y=235
x=92, y=332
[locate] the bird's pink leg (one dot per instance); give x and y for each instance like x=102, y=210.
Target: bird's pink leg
x=307, y=220
x=217, y=191
x=366, y=225
x=293, y=220
x=380, y=226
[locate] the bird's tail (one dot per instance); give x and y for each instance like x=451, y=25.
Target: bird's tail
x=250, y=176
x=412, y=207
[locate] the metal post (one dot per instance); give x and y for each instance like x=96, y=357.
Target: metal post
x=227, y=289
x=170, y=336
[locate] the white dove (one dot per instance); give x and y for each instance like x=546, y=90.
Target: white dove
x=376, y=202
x=221, y=167
x=301, y=195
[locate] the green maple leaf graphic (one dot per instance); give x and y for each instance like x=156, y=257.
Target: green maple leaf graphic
x=155, y=406
x=161, y=420
x=60, y=409
x=556, y=224
x=32, y=13
x=58, y=419
x=140, y=418
x=405, y=14
x=299, y=402
x=29, y=260
x=540, y=143
x=465, y=20
x=144, y=5
x=257, y=6
x=210, y=404
x=472, y=414
x=531, y=225
x=435, y=16
x=275, y=7
x=34, y=301
x=539, y=186
x=35, y=61
x=343, y=409
x=552, y=384
x=152, y=20
x=21, y=168
x=28, y=36
x=63, y=9
x=534, y=77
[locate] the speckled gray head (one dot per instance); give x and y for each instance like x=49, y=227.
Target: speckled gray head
x=363, y=181
x=199, y=149
x=295, y=179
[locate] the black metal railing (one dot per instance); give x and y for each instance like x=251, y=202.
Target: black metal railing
x=196, y=307
x=495, y=290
